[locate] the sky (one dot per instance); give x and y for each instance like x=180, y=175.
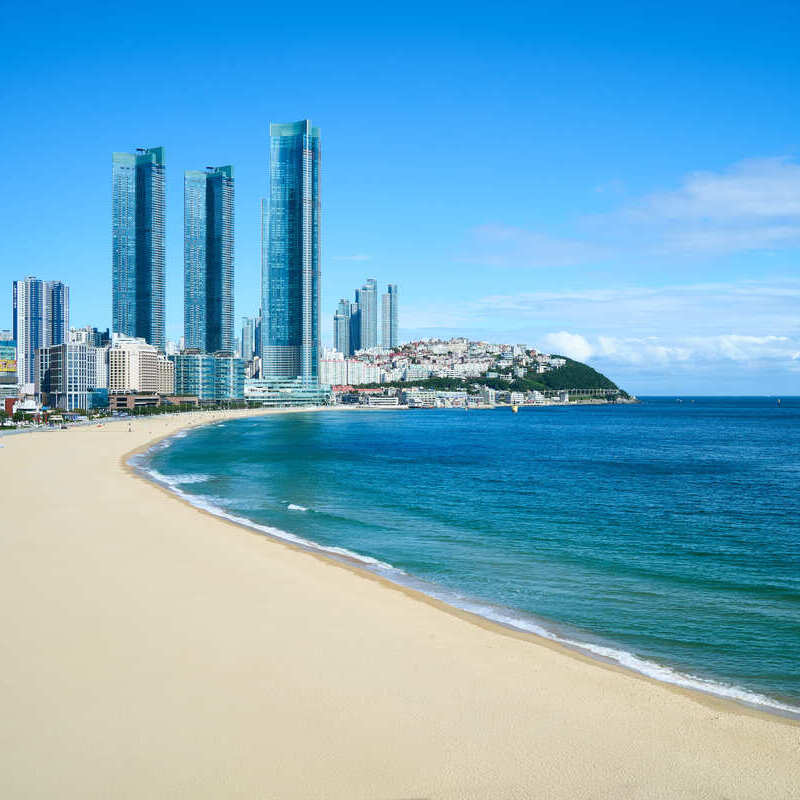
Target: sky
x=618, y=182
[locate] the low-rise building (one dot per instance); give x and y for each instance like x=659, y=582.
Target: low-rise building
x=67, y=377
x=136, y=366
x=210, y=378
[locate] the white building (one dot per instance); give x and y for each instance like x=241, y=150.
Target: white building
x=136, y=366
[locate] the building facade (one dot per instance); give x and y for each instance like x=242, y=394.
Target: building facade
x=136, y=366
x=208, y=260
x=389, y=317
x=367, y=301
x=210, y=378
x=67, y=377
x=249, y=327
x=341, y=328
x=40, y=319
x=137, y=232
x=291, y=276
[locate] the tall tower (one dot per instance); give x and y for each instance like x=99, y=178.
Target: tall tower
x=367, y=299
x=291, y=274
x=389, y=333
x=137, y=257
x=341, y=328
x=208, y=260
x=40, y=319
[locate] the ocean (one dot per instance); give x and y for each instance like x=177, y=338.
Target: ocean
x=662, y=536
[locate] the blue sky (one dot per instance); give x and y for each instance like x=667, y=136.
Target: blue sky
x=617, y=181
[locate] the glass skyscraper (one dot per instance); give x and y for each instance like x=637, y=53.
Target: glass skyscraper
x=40, y=319
x=341, y=328
x=367, y=299
x=389, y=332
x=208, y=260
x=137, y=230
x=291, y=270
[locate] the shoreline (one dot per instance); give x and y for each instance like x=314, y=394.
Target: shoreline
x=362, y=566
x=147, y=651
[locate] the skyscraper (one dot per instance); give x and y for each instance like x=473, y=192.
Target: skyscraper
x=249, y=325
x=40, y=319
x=208, y=260
x=367, y=299
x=137, y=230
x=389, y=333
x=291, y=275
x=341, y=328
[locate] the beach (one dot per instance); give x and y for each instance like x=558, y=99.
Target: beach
x=150, y=649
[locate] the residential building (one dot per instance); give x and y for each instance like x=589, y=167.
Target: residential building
x=67, y=377
x=354, y=328
x=389, y=331
x=136, y=366
x=89, y=335
x=208, y=260
x=367, y=299
x=291, y=275
x=41, y=319
x=210, y=378
x=249, y=325
x=6, y=336
x=341, y=328
x=137, y=232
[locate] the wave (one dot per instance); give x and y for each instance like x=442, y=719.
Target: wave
x=501, y=615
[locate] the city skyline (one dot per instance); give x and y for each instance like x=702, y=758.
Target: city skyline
x=648, y=224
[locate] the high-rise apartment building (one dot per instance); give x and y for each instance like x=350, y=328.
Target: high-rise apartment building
x=291, y=273
x=367, y=300
x=208, y=260
x=389, y=332
x=137, y=231
x=40, y=319
x=249, y=327
x=341, y=328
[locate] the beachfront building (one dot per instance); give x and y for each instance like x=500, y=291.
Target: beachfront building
x=291, y=269
x=389, y=331
x=136, y=366
x=71, y=376
x=40, y=319
x=210, y=378
x=208, y=260
x=137, y=233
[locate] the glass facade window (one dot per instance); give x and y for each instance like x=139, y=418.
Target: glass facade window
x=137, y=250
x=291, y=269
x=209, y=378
x=208, y=260
x=389, y=332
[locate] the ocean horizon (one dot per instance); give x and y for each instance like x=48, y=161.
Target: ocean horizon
x=660, y=536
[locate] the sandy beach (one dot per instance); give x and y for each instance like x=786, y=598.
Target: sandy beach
x=150, y=650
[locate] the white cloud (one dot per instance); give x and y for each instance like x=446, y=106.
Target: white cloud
x=658, y=352
x=764, y=188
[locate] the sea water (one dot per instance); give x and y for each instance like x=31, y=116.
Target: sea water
x=664, y=536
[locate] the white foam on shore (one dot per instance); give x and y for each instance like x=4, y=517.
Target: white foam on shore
x=503, y=616
x=205, y=504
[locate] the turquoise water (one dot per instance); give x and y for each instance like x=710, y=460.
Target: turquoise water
x=664, y=536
